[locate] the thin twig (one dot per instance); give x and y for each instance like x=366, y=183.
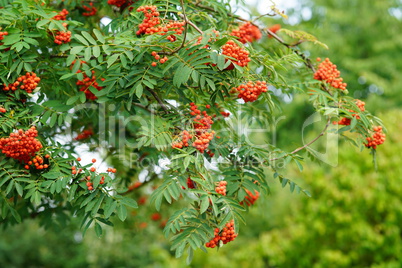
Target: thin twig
x=307, y=144
x=191, y=23
x=144, y=107
x=158, y=100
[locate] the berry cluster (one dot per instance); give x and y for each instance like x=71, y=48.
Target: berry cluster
x=346, y=121
x=120, y=3
x=328, y=72
x=225, y=114
x=361, y=105
x=247, y=32
x=156, y=216
x=274, y=28
x=185, y=137
x=84, y=135
x=202, y=124
x=62, y=15
x=250, y=91
x=251, y=198
x=21, y=145
x=231, y=49
x=90, y=10
x=377, y=138
x=38, y=162
x=2, y=110
x=2, y=34
x=151, y=20
x=158, y=58
x=203, y=140
x=27, y=82
x=221, y=188
x=225, y=235
x=89, y=184
x=88, y=82
x=190, y=183
x=62, y=36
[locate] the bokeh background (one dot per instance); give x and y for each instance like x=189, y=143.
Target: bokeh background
x=354, y=217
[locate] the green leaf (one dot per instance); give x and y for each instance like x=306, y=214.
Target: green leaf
x=98, y=229
x=81, y=39
x=89, y=37
x=88, y=53
x=122, y=212
x=99, y=36
x=72, y=100
x=129, y=202
x=112, y=59
x=76, y=50
x=181, y=75
x=19, y=189
x=109, y=209
x=96, y=51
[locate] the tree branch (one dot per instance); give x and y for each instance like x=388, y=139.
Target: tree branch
x=307, y=144
x=191, y=23
x=158, y=99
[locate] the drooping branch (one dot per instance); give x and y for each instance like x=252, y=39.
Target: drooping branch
x=307, y=144
x=158, y=99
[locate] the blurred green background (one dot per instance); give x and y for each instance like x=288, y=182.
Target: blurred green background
x=354, y=217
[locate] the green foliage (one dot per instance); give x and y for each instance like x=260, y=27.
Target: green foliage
x=132, y=93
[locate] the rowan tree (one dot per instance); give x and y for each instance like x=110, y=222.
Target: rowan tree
x=180, y=82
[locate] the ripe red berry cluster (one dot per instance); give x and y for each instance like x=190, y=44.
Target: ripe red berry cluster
x=90, y=10
x=328, y=72
x=346, y=121
x=221, y=188
x=84, y=135
x=185, y=137
x=2, y=34
x=38, y=162
x=87, y=82
x=247, y=32
x=156, y=216
x=62, y=36
x=151, y=20
x=240, y=55
x=203, y=140
x=113, y=170
x=62, y=15
x=250, y=198
x=225, y=235
x=21, y=145
x=158, y=58
x=377, y=138
x=250, y=91
x=190, y=183
x=120, y=3
x=27, y=82
x=117, y=3
x=202, y=125
x=225, y=114
x=90, y=185
x=274, y=28
x=361, y=105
